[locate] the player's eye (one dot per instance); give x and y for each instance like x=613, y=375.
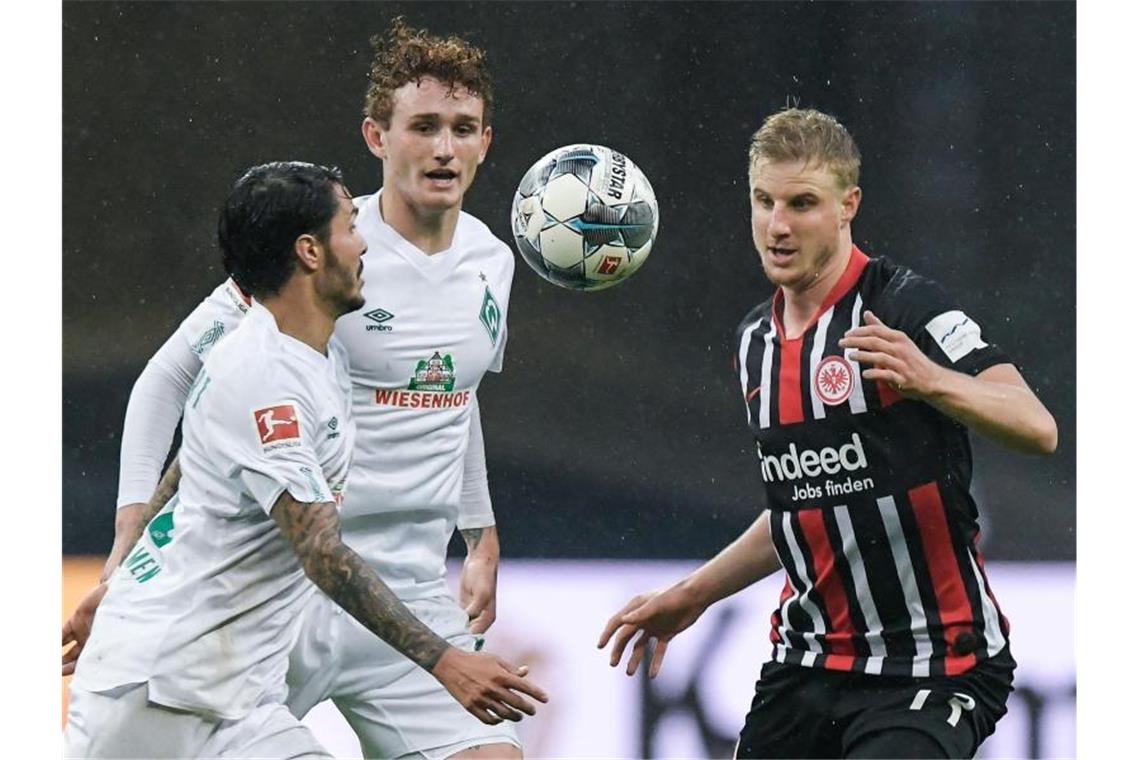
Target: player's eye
x=802, y=203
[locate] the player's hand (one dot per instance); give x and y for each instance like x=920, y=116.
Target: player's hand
x=477, y=585
x=78, y=626
x=488, y=687
x=657, y=616
x=893, y=358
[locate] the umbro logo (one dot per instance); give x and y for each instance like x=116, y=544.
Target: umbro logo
x=379, y=317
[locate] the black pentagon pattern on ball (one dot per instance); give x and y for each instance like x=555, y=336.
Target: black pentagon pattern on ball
x=530, y=253
x=638, y=224
x=533, y=180
x=580, y=163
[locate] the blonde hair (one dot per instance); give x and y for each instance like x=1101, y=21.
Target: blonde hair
x=798, y=134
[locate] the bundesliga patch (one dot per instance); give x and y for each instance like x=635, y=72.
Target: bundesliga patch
x=278, y=426
x=833, y=380
x=956, y=334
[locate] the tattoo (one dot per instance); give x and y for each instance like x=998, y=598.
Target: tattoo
x=472, y=536
x=314, y=530
x=165, y=491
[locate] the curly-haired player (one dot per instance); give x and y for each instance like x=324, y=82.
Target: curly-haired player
x=437, y=284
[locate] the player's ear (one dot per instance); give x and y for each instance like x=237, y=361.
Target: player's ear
x=486, y=143
x=849, y=204
x=374, y=138
x=307, y=250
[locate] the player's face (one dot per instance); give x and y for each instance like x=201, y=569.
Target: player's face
x=340, y=282
x=432, y=146
x=800, y=221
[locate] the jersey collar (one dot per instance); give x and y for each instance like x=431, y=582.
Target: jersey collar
x=855, y=266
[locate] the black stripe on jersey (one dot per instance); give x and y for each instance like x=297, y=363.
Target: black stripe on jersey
x=963, y=532
x=883, y=578
x=754, y=362
x=923, y=581
x=854, y=609
x=814, y=595
x=798, y=618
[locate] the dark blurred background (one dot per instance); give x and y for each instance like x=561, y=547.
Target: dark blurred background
x=616, y=429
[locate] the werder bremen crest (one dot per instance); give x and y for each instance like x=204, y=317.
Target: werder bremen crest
x=434, y=374
x=491, y=316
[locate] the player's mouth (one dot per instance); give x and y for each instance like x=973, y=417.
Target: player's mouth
x=442, y=177
x=780, y=255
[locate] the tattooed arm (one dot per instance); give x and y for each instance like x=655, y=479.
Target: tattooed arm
x=479, y=578
x=130, y=522
x=485, y=685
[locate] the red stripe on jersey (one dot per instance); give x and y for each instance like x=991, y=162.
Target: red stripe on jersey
x=784, y=596
x=977, y=549
x=791, y=399
x=887, y=394
x=953, y=603
x=830, y=586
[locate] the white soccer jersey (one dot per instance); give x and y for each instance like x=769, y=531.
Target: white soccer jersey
x=205, y=609
x=430, y=328
x=160, y=393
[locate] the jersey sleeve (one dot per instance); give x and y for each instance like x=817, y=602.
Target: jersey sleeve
x=153, y=411
x=475, y=496
x=214, y=318
x=508, y=276
x=159, y=394
x=268, y=429
x=936, y=322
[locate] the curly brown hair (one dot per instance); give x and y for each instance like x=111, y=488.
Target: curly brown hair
x=410, y=54
x=796, y=134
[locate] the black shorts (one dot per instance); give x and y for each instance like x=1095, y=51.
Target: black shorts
x=810, y=712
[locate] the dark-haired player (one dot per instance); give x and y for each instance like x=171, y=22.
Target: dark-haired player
x=437, y=284
x=860, y=381
x=188, y=654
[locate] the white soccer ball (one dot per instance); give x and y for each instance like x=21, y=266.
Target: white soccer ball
x=584, y=217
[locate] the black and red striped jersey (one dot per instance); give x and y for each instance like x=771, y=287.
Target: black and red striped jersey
x=871, y=511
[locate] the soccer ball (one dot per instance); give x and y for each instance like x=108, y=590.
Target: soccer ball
x=584, y=217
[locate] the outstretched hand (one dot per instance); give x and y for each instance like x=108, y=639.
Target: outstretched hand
x=893, y=358
x=487, y=686
x=657, y=616
x=78, y=627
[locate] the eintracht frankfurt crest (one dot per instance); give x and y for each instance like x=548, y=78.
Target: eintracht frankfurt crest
x=833, y=380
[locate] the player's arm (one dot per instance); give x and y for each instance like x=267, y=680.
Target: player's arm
x=661, y=615
x=488, y=687
x=996, y=402
x=478, y=581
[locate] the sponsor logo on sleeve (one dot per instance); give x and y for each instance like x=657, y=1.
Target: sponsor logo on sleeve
x=278, y=426
x=211, y=336
x=956, y=334
x=833, y=380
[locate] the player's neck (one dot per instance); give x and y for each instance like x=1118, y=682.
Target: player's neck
x=802, y=303
x=428, y=230
x=300, y=315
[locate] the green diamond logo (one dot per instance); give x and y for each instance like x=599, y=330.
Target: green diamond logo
x=491, y=316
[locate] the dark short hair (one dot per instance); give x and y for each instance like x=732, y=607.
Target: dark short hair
x=409, y=55
x=266, y=211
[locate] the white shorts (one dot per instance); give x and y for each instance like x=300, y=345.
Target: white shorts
x=394, y=707
x=123, y=723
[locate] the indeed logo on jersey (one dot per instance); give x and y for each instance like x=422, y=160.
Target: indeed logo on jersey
x=797, y=464
x=278, y=427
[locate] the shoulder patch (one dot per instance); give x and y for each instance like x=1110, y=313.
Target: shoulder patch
x=956, y=334
x=278, y=426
